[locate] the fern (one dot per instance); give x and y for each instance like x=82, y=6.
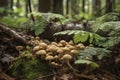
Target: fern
x=110, y=28
x=93, y=51
x=109, y=42
x=105, y=18
x=88, y=62
x=42, y=19
x=80, y=35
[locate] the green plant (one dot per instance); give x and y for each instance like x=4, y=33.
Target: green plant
x=43, y=19
x=28, y=67
x=105, y=18
x=14, y=21
x=87, y=56
x=80, y=35
x=111, y=32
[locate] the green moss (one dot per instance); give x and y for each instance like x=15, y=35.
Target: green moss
x=29, y=68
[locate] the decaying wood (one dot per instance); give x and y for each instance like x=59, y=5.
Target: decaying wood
x=12, y=33
x=5, y=76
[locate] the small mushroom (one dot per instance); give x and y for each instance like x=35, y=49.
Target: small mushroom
x=60, y=45
x=37, y=38
x=49, y=57
x=52, y=48
x=60, y=50
x=54, y=43
x=19, y=47
x=66, y=49
x=80, y=46
x=50, y=53
x=56, y=56
x=74, y=52
x=63, y=42
x=67, y=57
x=36, y=48
x=43, y=45
x=71, y=42
x=41, y=52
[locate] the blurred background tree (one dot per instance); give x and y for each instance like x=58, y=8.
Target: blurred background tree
x=70, y=8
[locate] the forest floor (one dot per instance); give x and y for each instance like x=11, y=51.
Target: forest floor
x=27, y=57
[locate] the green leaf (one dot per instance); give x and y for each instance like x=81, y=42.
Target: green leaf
x=92, y=64
x=91, y=38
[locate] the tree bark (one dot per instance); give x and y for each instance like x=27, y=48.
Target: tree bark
x=75, y=8
x=96, y=8
x=4, y=4
x=44, y=6
x=58, y=6
x=67, y=6
x=109, y=6
x=11, y=4
x=83, y=5
x=13, y=34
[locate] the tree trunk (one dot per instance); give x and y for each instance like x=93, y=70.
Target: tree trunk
x=11, y=4
x=75, y=8
x=4, y=4
x=96, y=8
x=26, y=8
x=67, y=6
x=58, y=6
x=18, y=4
x=83, y=5
x=109, y=6
x=44, y=6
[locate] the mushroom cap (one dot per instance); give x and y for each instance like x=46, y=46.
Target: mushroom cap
x=67, y=56
x=37, y=38
x=43, y=45
x=49, y=57
x=70, y=46
x=52, y=48
x=36, y=48
x=79, y=45
x=50, y=53
x=19, y=47
x=54, y=43
x=60, y=50
x=63, y=42
x=40, y=52
x=66, y=49
x=56, y=56
x=60, y=45
x=71, y=42
x=74, y=52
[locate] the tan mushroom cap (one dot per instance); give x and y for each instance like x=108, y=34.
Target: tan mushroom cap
x=67, y=56
x=52, y=48
x=40, y=52
x=49, y=57
x=43, y=45
x=66, y=49
x=36, y=48
x=60, y=50
x=74, y=52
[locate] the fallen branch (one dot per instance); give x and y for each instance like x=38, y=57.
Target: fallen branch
x=12, y=33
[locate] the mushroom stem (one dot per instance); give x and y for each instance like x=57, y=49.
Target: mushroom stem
x=70, y=66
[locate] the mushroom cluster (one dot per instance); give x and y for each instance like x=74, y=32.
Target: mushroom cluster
x=56, y=53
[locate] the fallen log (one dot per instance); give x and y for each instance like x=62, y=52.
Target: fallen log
x=12, y=33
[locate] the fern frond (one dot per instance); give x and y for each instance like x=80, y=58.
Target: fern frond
x=80, y=35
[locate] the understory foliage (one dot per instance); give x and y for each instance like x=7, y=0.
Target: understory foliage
x=111, y=33
x=42, y=20
x=80, y=36
x=28, y=67
x=67, y=57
